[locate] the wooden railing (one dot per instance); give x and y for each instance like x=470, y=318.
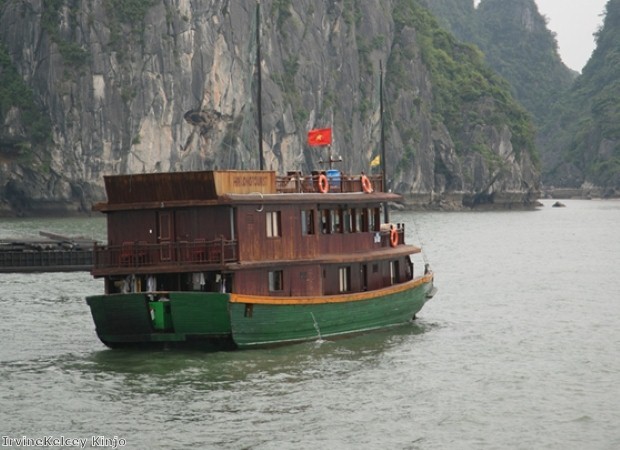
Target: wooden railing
x=386, y=234
x=295, y=182
x=142, y=254
x=46, y=261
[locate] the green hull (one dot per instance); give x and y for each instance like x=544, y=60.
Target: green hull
x=274, y=324
x=214, y=321
x=195, y=318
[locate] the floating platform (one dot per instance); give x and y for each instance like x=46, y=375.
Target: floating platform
x=56, y=253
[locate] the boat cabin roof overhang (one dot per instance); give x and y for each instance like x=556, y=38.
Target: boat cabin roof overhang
x=213, y=188
x=336, y=198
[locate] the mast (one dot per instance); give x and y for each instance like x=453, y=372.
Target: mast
x=259, y=88
x=386, y=218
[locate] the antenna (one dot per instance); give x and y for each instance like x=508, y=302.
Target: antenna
x=260, y=88
x=386, y=218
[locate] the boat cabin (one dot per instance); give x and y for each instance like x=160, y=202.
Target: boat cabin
x=249, y=232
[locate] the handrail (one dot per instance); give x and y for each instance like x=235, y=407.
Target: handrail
x=46, y=261
x=295, y=182
x=187, y=253
x=142, y=254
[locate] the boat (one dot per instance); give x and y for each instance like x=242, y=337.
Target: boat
x=227, y=259
x=244, y=259
x=56, y=253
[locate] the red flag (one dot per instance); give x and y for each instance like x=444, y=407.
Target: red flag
x=322, y=136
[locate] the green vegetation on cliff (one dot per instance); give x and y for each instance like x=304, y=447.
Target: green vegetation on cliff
x=71, y=51
x=462, y=80
x=578, y=118
x=587, y=132
x=17, y=96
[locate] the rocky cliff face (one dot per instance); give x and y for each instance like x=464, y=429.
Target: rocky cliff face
x=170, y=85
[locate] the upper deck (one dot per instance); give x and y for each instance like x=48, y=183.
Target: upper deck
x=187, y=189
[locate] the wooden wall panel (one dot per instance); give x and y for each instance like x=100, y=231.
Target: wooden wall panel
x=132, y=226
x=298, y=281
x=256, y=246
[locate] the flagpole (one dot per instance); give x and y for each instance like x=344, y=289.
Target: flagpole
x=386, y=218
x=260, y=89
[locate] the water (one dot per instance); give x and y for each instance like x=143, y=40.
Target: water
x=519, y=349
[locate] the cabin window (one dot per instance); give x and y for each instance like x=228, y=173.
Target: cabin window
x=276, y=281
x=335, y=220
x=394, y=269
x=345, y=279
x=325, y=221
x=347, y=220
x=357, y=220
x=307, y=222
x=365, y=221
x=372, y=219
x=273, y=224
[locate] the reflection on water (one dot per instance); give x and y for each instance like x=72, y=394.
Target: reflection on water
x=232, y=366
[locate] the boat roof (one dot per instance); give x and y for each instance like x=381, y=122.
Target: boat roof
x=211, y=188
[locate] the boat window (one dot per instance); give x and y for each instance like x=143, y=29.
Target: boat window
x=372, y=219
x=365, y=220
x=394, y=272
x=347, y=220
x=273, y=223
x=335, y=220
x=345, y=279
x=276, y=281
x=307, y=222
x=325, y=221
x=357, y=221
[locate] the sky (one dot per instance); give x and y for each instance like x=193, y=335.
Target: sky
x=574, y=22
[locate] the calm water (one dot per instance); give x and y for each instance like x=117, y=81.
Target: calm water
x=519, y=349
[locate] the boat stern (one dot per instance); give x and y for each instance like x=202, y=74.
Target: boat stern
x=160, y=319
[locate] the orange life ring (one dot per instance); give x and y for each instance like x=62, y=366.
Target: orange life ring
x=323, y=184
x=393, y=237
x=366, y=184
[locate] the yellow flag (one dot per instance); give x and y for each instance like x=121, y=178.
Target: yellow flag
x=375, y=162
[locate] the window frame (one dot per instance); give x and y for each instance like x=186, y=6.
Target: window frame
x=307, y=222
x=344, y=279
x=276, y=280
x=273, y=224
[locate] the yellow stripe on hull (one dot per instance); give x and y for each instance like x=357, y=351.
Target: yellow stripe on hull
x=341, y=298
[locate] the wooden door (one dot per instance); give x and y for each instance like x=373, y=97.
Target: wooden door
x=364, y=270
x=164, y=236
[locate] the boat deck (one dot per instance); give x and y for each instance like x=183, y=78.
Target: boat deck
x=58, y=254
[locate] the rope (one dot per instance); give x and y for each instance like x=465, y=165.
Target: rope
x=418, y=237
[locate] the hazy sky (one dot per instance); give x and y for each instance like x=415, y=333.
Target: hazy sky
x=573, y=22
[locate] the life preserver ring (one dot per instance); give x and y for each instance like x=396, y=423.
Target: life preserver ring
x=366, y=184
x=393, y=237
x=323, y=184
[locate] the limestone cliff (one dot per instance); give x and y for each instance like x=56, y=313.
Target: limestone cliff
x=139, y=86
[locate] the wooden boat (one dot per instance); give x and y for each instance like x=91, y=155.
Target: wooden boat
x=242, y=259
x=57, y=253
